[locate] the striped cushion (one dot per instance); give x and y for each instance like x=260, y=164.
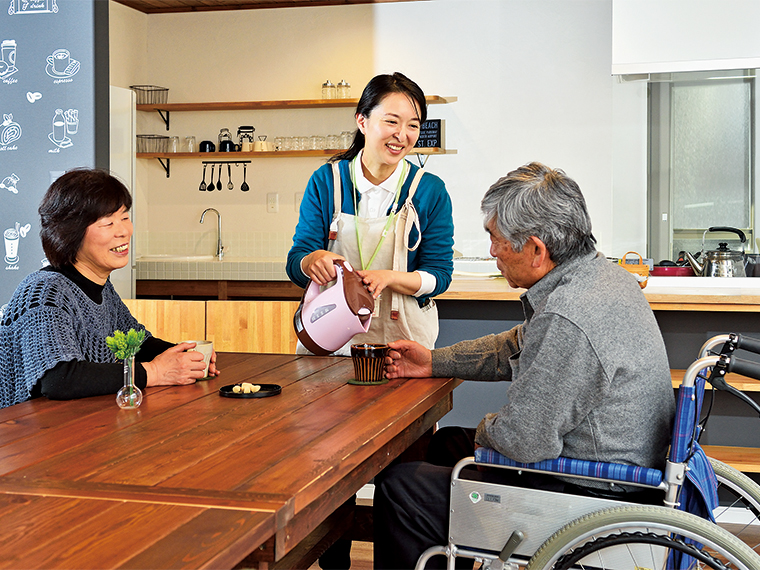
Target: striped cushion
x=565, y=465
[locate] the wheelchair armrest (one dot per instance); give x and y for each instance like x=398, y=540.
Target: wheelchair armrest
x=578, y=467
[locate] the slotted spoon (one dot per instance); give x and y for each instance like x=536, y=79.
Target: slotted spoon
x=202, y=187
x=229, y=177
x=244, y=186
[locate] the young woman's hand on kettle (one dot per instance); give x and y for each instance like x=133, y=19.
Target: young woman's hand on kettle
x=399, y=281
x=319, y=267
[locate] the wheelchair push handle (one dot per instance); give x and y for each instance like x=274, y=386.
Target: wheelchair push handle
x=740, y=366
x=729, y=343
x=744, y=367
x=749, y=344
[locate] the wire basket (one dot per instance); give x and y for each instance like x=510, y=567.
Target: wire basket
x=150, y=94
x=152, y=143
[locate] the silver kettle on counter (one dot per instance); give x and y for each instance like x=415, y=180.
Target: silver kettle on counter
x=721, y=262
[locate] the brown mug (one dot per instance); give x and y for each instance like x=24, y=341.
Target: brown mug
x=369, y=362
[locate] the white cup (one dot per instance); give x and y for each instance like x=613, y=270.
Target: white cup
x=205, y=347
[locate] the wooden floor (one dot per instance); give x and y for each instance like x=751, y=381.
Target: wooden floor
x=361, y=556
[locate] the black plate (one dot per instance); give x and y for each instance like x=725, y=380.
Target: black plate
x=266, y=391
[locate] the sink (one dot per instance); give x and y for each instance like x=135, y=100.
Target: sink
x=170, y=257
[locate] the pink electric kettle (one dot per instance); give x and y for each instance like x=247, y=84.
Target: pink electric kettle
x=326, y=320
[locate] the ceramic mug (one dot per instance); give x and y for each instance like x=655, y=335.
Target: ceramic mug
x=206, y=348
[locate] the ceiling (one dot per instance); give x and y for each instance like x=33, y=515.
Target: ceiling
x=164, y=6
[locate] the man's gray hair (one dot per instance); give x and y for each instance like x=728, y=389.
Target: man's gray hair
x=535, y=200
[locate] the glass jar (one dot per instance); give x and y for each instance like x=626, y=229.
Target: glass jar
x=224, y=135
x=173, y=144
x=328, y=90
x=344, y=90
x=190, y=145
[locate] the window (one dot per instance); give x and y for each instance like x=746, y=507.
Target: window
x=701, y=161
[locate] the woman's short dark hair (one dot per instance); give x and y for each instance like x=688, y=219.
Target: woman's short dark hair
x=73, y=202
x=376, y=90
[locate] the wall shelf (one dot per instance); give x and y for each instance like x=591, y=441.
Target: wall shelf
x=164, y=109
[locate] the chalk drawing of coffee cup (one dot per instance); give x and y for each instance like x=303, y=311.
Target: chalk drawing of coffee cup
x=11, y=131
x=7, y=58
x=61, y=64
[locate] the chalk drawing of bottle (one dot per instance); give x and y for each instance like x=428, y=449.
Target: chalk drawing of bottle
x=58, y=136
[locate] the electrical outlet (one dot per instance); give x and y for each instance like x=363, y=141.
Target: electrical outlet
x=273, y=202
x=299, y=197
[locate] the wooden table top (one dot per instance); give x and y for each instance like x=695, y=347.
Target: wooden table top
x=203, y=480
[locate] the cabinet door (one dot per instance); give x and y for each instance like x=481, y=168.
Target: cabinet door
x=173, y=321
x=252, y=326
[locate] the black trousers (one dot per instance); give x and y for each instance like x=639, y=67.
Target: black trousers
x=411, y=502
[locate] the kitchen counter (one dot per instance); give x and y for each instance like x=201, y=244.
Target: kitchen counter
x=663, y=293
x=243, y=277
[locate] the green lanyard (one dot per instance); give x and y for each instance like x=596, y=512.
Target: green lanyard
x=391, y=217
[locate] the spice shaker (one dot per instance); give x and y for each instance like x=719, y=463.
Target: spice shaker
x=328, y=90
x=344, y=90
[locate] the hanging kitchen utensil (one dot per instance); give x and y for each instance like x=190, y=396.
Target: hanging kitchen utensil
x=244, y=186
x=219, y=180
x=721, y=262
x=229, y=177
x=639, y=270
x=210, y=187
x=202, y=187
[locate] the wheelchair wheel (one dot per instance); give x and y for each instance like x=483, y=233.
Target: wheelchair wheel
x=641, y=537
x=740, y=512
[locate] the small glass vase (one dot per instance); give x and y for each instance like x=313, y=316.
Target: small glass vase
x=129, y=396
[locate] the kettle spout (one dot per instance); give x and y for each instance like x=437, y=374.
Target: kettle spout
x=695, y=265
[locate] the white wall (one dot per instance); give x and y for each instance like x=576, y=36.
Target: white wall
x=532, y=77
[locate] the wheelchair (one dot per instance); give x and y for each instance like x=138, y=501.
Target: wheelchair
x=507, y=527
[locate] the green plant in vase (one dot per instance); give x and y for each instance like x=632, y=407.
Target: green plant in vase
x=124, y=347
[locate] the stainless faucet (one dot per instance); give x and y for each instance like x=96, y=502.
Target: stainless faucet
x=219, y=247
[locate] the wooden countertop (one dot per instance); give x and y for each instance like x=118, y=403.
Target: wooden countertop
x=663, y=293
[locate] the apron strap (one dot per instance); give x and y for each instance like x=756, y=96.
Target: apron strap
x=410, y=218
x=333, y=235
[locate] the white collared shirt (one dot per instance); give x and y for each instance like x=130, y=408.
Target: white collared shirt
x=374, y=203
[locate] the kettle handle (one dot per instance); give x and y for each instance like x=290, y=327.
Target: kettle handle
x=312, y=289
x=742, y=237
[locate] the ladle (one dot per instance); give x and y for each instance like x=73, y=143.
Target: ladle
x=244, y=186
x=202, y=187
x=229, y=177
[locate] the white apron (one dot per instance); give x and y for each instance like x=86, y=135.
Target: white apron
x=396, y=316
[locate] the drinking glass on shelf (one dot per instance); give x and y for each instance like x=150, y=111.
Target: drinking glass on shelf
x=303, y=143
x=346, y=137
x=279, y=143
x=321, y=142
x=333, y=142
x=174, y=144
x=190, y=144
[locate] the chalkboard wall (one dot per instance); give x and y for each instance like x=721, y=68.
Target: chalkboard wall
x=53, y=114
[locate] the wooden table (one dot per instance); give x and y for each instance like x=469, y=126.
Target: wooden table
x=195, y=480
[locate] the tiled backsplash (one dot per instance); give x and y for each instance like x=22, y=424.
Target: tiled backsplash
x=236, y=244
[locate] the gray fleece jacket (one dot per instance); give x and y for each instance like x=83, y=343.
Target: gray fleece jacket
x=589, y=371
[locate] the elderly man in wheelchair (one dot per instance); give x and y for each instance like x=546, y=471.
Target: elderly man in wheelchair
x=586, y=428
